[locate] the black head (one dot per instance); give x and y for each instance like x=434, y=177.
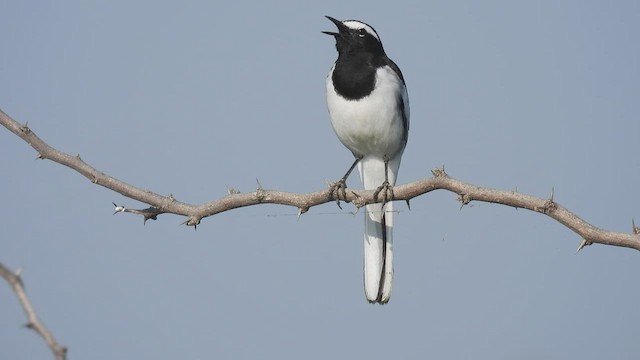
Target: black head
x=355, y=36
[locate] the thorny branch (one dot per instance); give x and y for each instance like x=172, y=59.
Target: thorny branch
x=13, y=278
x=440, y=181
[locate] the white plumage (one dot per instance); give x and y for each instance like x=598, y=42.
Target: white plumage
x=369, y=108
x=374, y=126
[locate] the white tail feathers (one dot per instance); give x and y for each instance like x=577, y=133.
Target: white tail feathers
x=378, y=252
x=378, y=233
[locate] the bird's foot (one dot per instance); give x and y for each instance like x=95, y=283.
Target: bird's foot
x=386, y=190
x=338, y=191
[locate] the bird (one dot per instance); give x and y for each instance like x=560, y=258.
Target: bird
x=369, y=110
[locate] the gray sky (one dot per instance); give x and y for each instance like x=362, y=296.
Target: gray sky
x=194, y=97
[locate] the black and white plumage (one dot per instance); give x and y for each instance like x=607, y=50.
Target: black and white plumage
x=369, y=109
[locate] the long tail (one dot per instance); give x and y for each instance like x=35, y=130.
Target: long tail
x=378, y=232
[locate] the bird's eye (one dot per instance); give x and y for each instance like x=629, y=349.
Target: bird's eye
x=362, y=32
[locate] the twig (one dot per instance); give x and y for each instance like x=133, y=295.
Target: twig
x=59, y=352
x=195, y=213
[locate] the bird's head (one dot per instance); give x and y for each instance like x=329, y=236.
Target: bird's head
x=355, y=36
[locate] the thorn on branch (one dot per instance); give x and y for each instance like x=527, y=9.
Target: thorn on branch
x=25, y=128
x=260, y=193
x=464, y=199
x=549, y=206
x=584, y=243
x=635, y=229
x=301, y=211
x=408, y=204
x=149, y=215
x=40, y=157
x=439, y=172
x=232, y=191
x=192, y=221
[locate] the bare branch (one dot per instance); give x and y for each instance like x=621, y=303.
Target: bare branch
x=440, y=181
x=59, y=352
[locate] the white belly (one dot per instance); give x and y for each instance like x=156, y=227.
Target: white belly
x=372, y=125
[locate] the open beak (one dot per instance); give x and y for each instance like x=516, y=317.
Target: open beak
x=341, y=27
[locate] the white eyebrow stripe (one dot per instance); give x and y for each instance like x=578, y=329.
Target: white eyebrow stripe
x=355, y=24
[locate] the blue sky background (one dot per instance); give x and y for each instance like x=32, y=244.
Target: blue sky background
x=189, y=98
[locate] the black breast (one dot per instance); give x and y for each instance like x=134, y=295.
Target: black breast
x=353, y=79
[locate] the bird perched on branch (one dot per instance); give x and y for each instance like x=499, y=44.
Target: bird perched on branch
x=369, y=109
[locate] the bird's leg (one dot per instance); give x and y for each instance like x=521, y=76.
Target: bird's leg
x=339, y=188
x=385, y=187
